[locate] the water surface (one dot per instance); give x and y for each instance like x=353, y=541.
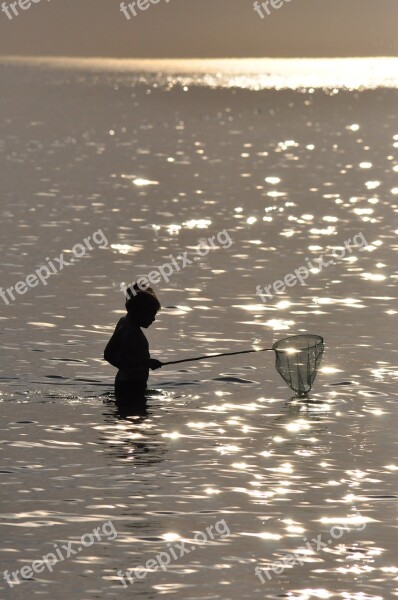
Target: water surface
x=160, y=165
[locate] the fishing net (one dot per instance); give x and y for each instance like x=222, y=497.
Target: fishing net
x=297, y=360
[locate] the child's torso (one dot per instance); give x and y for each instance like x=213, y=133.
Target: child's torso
x=134, y=346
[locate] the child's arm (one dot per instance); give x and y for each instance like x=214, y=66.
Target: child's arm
x=112, y=356
x=120, y=354
x=155, y=364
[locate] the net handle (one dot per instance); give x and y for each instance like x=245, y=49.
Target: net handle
x=176, y=362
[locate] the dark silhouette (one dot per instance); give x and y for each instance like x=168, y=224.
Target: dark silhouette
x=128, y=348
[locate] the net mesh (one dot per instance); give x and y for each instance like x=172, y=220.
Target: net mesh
x=297, y=360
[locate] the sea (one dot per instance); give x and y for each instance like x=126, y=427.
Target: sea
x=225, y=485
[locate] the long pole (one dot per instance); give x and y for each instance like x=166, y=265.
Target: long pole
x=176, y=362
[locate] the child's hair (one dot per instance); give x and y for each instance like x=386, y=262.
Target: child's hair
x=141, y=299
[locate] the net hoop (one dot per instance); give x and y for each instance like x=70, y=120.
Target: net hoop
x=316, y=339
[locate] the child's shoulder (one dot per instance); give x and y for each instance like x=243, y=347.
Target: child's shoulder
x=121, y=322
x=125, y=324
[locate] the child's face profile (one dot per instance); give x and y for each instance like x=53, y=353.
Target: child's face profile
x=145, y=316
x=142, y=311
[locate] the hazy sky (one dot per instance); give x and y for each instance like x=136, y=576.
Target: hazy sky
x=203, y=28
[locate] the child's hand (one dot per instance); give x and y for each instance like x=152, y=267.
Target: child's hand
x=155, y=364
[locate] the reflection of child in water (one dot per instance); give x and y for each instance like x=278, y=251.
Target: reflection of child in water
x=128, y=348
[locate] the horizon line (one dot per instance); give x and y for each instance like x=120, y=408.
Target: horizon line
x=193, y=58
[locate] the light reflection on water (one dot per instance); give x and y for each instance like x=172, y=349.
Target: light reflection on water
x=224, y=438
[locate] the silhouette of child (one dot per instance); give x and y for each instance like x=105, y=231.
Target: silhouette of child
x=128, y=348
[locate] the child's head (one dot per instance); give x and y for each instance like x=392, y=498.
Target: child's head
x=142, y=305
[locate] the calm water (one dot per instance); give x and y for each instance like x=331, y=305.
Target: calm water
x=159, y=165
